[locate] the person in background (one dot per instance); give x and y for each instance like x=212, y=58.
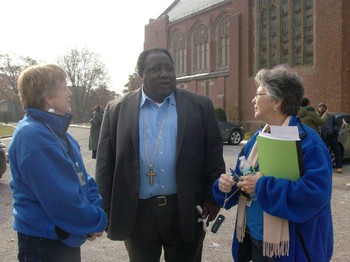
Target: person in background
x=279, y=219
x=95, y=121
x=56, y=202
x=309, y=116
x=346, y=126
x=160, y=150
x=329, y=131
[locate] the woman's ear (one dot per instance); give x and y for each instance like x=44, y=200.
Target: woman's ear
x=277, y=105
x=48, y=102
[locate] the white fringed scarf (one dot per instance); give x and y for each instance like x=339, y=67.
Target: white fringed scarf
x=276, y=230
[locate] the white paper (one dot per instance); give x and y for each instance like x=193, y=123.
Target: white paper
x=283, y=132
x=287, y=132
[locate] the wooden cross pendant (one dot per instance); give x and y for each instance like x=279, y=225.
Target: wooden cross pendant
x=151, y=174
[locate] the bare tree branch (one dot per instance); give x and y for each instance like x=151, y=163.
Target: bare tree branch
x=86, y=73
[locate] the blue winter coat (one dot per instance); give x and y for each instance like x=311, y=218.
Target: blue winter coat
x=47, y=191
x=305, y=203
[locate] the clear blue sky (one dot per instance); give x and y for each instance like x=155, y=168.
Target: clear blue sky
x=44, y=30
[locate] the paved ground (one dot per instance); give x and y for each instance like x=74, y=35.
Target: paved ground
x=217, y=247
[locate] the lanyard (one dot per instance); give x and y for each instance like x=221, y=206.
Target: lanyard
x=70, y=152
x=69, y=146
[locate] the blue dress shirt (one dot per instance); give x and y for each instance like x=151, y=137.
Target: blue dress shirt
x=164, y=183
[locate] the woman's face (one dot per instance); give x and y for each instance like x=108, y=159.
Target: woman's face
x=265, y=108
x=61, y=100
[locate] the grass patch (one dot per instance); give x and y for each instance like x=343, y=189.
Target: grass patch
x=6, y=130
x=248, y=135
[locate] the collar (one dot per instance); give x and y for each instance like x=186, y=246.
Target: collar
x=144, y=98
x=59, y=124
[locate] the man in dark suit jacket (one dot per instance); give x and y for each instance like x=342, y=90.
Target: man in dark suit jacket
x=160, y=150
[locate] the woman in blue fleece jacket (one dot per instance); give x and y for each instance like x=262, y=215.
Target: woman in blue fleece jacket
x=285, y=220
x=56, y=202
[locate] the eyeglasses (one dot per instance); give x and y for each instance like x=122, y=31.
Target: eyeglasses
x=257, y=96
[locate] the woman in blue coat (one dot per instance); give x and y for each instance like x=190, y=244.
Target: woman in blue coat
x=56, y=202
x=279, y=219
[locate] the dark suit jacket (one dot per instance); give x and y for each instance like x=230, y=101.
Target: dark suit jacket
x=199, y=160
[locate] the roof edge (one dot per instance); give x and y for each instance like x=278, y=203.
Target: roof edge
x=169, y=8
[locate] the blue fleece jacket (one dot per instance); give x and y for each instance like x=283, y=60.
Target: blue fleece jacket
x=305, y=203
x=47, y=190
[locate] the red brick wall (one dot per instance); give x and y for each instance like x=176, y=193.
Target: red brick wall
x=327, y=80
x=346, y=56
x=324, y=82
x=217, y=89
x=156, y=33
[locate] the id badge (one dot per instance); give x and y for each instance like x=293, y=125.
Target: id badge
x=82, y=179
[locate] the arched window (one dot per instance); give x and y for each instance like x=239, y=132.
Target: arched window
x=285, y=32
x=201, y=48
x=223, y=42
x=178, y=52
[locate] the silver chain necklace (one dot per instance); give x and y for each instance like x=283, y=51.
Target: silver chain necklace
x=151, y=173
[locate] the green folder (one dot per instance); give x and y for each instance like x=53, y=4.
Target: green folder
x=279, y=157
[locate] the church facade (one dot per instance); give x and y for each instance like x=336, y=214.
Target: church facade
x=219, y=45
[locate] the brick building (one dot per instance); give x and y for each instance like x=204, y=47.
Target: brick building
x=218, y=46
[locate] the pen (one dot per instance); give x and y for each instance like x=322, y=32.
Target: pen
x=236, y=177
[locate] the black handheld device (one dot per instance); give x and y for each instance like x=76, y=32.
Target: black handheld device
x=217, y=223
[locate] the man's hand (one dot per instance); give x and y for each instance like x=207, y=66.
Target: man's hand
x=210, y=210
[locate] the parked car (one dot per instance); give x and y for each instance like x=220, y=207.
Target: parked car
x=231, y=133
x=3, y=159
